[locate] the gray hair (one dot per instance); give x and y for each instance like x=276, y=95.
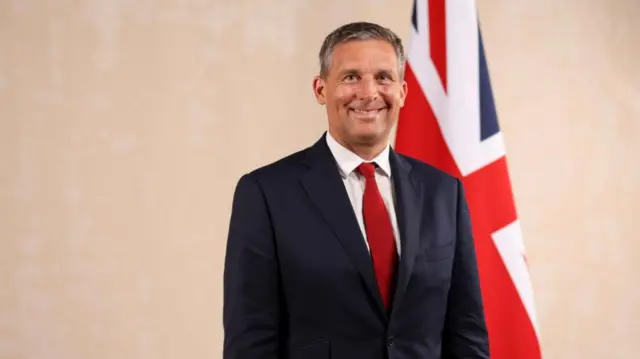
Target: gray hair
x=356, y=31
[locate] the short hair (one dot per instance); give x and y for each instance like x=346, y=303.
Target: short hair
x=356, y=31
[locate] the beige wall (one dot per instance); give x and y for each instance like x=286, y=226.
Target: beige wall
x=125, y=125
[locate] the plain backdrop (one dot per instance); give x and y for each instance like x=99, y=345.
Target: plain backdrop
x=124, y=126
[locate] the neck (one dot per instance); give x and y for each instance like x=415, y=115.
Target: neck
x=366, y=151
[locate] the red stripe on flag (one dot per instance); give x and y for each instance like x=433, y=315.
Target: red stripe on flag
x=438, y=38
x=492, y=195
x=491, y=205
x=418, y=134
x=511, y=334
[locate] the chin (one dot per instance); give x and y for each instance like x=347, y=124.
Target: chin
x=368, y=136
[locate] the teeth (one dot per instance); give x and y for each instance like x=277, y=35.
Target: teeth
x=364, y=111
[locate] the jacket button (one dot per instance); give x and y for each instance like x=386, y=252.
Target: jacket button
x=390, y=341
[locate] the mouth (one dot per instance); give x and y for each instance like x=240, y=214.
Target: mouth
x=359, y=112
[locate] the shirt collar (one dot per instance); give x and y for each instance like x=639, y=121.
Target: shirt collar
x=349, y=161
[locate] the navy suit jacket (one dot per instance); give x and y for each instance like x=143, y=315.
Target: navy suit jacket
x=299, y=282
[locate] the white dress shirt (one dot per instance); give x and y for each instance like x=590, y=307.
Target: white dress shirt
x=354, y=183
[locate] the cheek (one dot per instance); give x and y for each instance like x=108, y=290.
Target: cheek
x=391, y=95
x=343, y=95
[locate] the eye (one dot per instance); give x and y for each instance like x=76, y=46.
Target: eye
x=385, y=76
x=350, y=78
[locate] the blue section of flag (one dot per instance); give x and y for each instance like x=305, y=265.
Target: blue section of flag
x=488, y=117
x=414, y=17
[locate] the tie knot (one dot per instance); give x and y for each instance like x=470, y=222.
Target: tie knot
x=367, y=169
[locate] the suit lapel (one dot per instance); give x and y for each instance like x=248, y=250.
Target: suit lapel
x=409, y=206
x=324, y=186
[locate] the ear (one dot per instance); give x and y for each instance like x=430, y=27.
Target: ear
x=319, y=86
x=403, y=93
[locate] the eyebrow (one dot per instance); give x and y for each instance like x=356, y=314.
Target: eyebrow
x=349, y=71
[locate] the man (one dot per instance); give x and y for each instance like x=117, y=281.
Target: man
x=347, y=249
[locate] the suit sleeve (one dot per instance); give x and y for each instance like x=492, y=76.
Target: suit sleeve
x=465, y=333
x=251, y=308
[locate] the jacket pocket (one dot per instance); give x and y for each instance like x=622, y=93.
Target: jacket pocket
x=315, y=350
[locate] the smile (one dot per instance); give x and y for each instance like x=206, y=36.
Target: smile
x=365, y=112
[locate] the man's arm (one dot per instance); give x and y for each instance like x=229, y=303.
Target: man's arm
x=465, y=332
x=251, y=314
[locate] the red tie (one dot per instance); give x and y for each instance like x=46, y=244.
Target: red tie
x=379, y=233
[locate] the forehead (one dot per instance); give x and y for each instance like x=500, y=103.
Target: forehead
x=364, y=55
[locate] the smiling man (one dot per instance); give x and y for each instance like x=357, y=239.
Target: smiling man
x=348, y=249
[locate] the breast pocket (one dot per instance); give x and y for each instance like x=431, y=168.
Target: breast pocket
x=315, y=350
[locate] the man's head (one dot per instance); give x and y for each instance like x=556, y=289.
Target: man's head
x=361, y=82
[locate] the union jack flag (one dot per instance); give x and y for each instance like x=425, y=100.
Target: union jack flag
x=449, y=120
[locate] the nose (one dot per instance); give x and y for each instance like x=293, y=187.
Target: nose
x=367, y=89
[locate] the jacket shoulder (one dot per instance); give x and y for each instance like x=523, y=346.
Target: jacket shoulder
x=279, y=169
x=425, y=170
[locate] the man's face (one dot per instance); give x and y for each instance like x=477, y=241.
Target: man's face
x=362, y=91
